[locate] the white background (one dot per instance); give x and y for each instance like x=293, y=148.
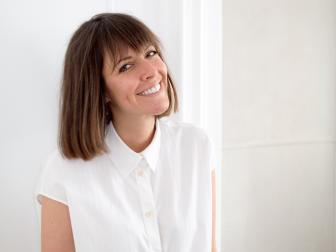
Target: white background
x=279, y=125
x=259, y=76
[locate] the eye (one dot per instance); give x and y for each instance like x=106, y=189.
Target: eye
x=152, y=53
x=124, y=68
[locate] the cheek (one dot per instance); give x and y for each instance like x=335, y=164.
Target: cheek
x=113, y=91
x=120, y=90
x=162, y=66
x=109, y=88
x=115, y=86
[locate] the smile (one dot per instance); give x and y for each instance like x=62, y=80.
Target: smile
x=151, y=90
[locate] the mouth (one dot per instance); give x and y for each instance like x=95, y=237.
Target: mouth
x=152, y=90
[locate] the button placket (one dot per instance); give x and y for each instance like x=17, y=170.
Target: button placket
x=148, y=207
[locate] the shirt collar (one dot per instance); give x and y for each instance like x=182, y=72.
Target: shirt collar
x=125, y=158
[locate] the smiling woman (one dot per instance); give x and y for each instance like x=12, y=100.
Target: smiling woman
x=123, y=179
x=137, y=84
x=95, y=69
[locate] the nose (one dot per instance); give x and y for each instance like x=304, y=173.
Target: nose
x=148, y=70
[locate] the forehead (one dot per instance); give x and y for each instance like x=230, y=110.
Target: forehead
x=122, y=51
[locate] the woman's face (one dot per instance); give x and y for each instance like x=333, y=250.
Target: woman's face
x=132, y=75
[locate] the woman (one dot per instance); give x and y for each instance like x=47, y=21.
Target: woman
x=123, y=179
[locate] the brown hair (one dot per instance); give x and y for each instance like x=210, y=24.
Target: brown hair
x=84, y=113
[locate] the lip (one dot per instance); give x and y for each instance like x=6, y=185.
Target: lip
x=154, y=94
x=150, y=86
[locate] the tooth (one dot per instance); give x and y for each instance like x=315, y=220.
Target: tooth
x=151, y=90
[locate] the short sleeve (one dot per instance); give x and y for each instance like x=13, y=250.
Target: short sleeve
x=51, y=180
x=209, y=151
x=212, y=153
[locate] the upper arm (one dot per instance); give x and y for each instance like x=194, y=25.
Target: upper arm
x=56, y=231
x=213, y=182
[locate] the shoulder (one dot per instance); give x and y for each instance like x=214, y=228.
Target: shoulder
x=57, y=165
x=184, y=130
x=55, y=158
x=54, y=167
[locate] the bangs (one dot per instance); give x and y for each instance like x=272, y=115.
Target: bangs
x=115, y=35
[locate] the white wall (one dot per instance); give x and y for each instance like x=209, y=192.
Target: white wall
x=279, y=126
x=34, y=35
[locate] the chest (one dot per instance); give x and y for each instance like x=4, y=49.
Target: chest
x=161, y=211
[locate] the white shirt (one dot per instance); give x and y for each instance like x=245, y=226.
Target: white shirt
x=158, y=200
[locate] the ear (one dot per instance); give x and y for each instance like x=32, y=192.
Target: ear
x=107, y=99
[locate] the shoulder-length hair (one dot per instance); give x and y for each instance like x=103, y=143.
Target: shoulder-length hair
x=84, y=112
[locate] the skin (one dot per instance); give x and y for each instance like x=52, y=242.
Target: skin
x=134, y=115
x=56, y=231
x=134, y=121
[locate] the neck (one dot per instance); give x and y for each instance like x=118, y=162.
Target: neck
x=136, y=132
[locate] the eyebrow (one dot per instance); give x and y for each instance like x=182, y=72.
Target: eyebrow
x=129, y=57
x=126, y=58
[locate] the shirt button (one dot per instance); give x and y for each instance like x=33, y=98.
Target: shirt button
x=149, y=214
x=141, y=172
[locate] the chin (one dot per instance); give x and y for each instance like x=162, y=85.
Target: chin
x=161, y=108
